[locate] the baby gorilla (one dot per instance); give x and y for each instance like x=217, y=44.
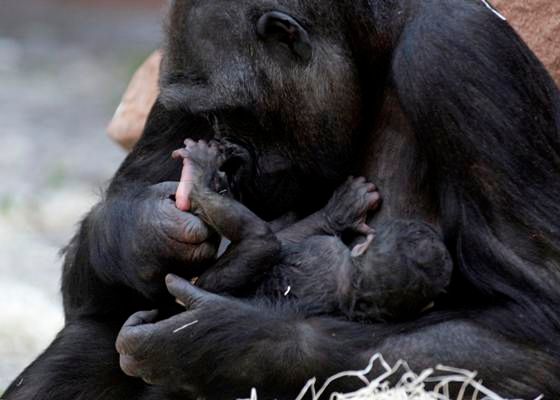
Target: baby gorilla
x=392, y=275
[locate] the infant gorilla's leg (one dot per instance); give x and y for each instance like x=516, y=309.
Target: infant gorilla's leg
x=402, y=273
x=254, y=248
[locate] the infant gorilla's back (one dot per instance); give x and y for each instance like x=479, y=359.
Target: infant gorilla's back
x=392, y=274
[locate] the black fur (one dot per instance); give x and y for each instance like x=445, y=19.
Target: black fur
x=438, y=102
x=330, y=263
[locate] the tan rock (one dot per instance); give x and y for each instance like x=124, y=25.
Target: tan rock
x=538, y=22
x=129, y=120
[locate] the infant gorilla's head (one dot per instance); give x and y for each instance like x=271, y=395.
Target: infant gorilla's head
x=406, y=268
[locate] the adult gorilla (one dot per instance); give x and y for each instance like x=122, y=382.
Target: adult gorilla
x=438, y=102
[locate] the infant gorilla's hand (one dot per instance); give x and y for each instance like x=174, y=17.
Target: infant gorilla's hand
x=348, y=207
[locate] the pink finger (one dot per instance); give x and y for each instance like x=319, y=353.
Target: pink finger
x=183, y=194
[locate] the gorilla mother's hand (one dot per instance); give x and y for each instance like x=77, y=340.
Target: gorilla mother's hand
x=221, y=348
x=217, y=341
x=146, y=237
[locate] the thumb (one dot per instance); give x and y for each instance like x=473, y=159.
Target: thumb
x=135, y=331
x=184, y=291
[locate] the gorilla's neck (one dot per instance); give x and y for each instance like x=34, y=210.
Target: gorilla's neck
x=394, y=164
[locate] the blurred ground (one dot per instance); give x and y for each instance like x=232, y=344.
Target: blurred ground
x=63, y=68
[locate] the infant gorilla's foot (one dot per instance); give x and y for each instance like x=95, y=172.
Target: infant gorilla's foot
x=348, y=207
x=201, y=169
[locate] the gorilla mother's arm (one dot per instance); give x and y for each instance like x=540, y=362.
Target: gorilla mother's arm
x=249, y=345
x=136, y=235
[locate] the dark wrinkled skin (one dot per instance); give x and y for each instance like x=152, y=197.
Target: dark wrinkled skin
x=438, y=102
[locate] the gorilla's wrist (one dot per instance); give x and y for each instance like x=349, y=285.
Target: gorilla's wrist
x=116, y=249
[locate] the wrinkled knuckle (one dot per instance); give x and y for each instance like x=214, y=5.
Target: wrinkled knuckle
x=195, y=231
x=125, y=344
x=130, y=366
x=203, y=252
x=164, y=208
x=138, y=342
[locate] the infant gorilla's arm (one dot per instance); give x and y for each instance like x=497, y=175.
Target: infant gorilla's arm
x=254, y=246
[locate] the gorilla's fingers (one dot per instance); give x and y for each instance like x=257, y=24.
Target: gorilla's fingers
x=179, y=154
x=134, y=332
x=141, y=318
x=183, y=291
x=129, y=366
x=181, y=226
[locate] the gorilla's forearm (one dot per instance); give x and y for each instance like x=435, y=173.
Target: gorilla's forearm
x=99, y=277
x=277, y=350
x=135, y=235
x=314, y=348
x=244, y=344
x=321, y=347
x=280, y=364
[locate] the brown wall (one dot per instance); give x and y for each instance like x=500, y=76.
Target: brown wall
x=538, y=22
